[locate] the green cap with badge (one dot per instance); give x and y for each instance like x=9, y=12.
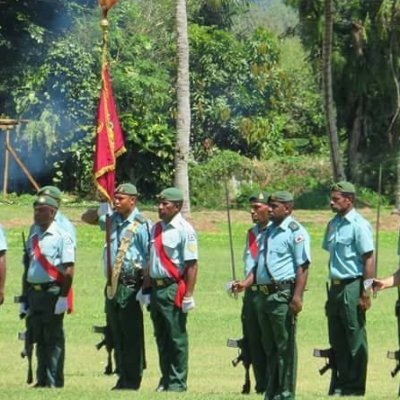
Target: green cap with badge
x=46, y=201
x=343, y=187
x=171, y=194
x=126, y=188
x=282, y=197
x=260, y=197
x=51, y=191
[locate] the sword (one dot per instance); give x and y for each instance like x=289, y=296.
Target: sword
x=230, y=234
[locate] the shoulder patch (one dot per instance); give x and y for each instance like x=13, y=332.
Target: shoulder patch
x=139, y=218
x=294, y=226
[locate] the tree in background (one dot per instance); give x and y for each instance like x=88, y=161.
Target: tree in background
x=330, y=113
x=182, y=143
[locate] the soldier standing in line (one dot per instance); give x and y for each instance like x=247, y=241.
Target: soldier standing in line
x=49, y=278
x=129, y=243
x=349, y=241
x=172, y=273
x=3, y=249
x=252, y=341
x=281, y=277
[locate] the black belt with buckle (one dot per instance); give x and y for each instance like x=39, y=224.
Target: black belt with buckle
x=42, y=287
x=337, y=282
x=270, y=288
x=162, y=282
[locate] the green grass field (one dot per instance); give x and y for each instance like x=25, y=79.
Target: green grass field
x=216, y=317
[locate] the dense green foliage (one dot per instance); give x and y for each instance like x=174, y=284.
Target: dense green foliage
x=247, y=94
x=365, y=64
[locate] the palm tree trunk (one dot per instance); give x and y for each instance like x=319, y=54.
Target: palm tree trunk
x=337, y=166
x=182, y=146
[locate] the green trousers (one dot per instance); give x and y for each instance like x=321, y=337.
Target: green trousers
x=253, y=340
x=126, y=323
x=47, y=333
x=171, y=336
x=348, y=337
x=277, y=325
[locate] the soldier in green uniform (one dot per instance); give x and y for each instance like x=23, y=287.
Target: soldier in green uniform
x=49, y=279
x=129, y=243
x=281, y=276
x=348, y=239
x=172, y=272
x=3, y=249
x=251, y=329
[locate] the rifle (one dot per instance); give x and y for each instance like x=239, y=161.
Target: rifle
x=26, y=336
x=107, y=341
x=330, y=361
x=243, y=357
x=27, y=352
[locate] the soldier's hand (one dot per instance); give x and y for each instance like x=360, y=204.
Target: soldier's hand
x=188, y=304
x=90, y=216
x=296, y=305
x=365, y=302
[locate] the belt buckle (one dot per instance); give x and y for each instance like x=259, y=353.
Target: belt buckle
x=336, y=281
x=264, y=289
x=159, y=282
x=37, y=287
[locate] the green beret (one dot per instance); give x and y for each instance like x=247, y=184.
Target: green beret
x=51, y=191
x=46, y=201
x=171, y=194
x=343, y=187
x=281, y=196
x=261, y=197
x=126, y=188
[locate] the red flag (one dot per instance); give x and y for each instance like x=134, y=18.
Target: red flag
x=109, y=139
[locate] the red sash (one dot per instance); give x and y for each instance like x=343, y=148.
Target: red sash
x=253, y=245
x=168, y=265
x=52, y=271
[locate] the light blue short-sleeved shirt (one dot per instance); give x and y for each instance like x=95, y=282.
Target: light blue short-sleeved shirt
x=3, y=241
x=179, y=240
x=66, y=224
x=249, y=259
x=284, y=248
x=137, y=253
x=347, y=239
x=56, y=245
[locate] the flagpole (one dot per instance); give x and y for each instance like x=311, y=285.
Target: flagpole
x=104, y=51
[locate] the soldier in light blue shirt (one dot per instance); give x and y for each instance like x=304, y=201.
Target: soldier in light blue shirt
x=3, y=250
x=49, y=278
x=281, y=276
x=173, y=272
x=348, y=240
x=252, y=342
x=129, y=247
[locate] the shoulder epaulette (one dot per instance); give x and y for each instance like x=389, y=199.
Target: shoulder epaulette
x=294, y=226
x=139, y=218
